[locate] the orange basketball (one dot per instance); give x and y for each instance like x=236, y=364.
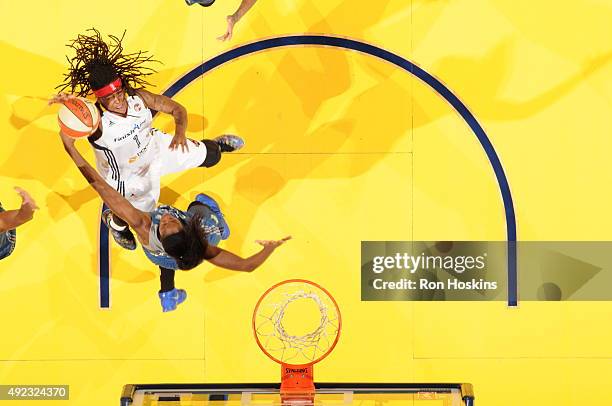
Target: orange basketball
x=78, y=117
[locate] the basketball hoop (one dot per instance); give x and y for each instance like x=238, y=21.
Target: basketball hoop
x=297, y=323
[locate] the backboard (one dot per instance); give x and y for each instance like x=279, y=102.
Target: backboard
x=326, y=394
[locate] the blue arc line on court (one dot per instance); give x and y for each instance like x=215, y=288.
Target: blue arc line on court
x=104, y=264
x=411, y=68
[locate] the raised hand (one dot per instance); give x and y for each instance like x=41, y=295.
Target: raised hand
x=61, y=98
x=231, y=21
x=179, y=140
x=273, y=243
x=26, y=199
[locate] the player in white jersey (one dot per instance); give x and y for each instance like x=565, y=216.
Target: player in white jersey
x=131, y=155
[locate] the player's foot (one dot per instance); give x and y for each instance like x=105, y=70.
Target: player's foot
x=124, y=238
x=229, y=142
x=171, y=299
x=214, y=206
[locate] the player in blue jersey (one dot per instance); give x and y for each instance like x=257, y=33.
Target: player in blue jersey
x=173, y=239
x=11, y=219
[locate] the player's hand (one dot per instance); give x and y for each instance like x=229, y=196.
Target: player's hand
x=26, y=199
x=231, y=21
x=179, y=140
x=61, y=98
x=272, y=243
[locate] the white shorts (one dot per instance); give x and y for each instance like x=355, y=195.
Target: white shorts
x=142, y=188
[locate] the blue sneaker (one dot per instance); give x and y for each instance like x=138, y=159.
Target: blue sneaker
x=124, y=238
x=229, y=142
x=171, y=299
x=214, y=206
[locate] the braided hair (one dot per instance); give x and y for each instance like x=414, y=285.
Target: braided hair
x=188, y=246
x=97, y=63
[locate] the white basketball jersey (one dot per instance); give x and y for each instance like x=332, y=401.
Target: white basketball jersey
x=125, y=149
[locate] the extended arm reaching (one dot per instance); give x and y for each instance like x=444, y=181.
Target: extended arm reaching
x=12, y=219
x=117, y=203
x=166, y=105
x=245, y=5
x=228, y=260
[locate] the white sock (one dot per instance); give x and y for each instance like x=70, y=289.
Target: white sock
x=114, y=225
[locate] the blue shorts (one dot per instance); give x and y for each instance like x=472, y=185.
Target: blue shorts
x=163, y=261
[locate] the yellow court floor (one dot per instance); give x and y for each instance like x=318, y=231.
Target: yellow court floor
x=341, y=147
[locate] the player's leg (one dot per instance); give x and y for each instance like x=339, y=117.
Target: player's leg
x=142, y=191
x=119, y=230
x=213, y=154
x=204, y=153
x=212, y=217
x=222, y=144
x=169, y=296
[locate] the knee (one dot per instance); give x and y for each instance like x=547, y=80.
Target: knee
x=213, y=153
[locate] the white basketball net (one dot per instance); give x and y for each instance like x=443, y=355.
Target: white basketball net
x=298, y=349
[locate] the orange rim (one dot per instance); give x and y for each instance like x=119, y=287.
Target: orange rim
x=294, y=281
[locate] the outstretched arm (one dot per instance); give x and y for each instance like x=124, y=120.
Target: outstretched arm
x=225, y=259
x=137, y=219
x=245, y=5
x=12, y=219
x=166, y=105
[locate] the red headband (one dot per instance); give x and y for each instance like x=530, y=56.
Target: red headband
x=108, y=89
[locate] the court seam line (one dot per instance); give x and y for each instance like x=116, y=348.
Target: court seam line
x=525, y=357
x=325, y=153
x=101, y=359
x=603, y=358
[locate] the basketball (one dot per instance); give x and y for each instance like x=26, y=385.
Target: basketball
x=78, y=117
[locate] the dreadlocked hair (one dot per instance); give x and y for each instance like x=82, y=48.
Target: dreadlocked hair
x=98, y=63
